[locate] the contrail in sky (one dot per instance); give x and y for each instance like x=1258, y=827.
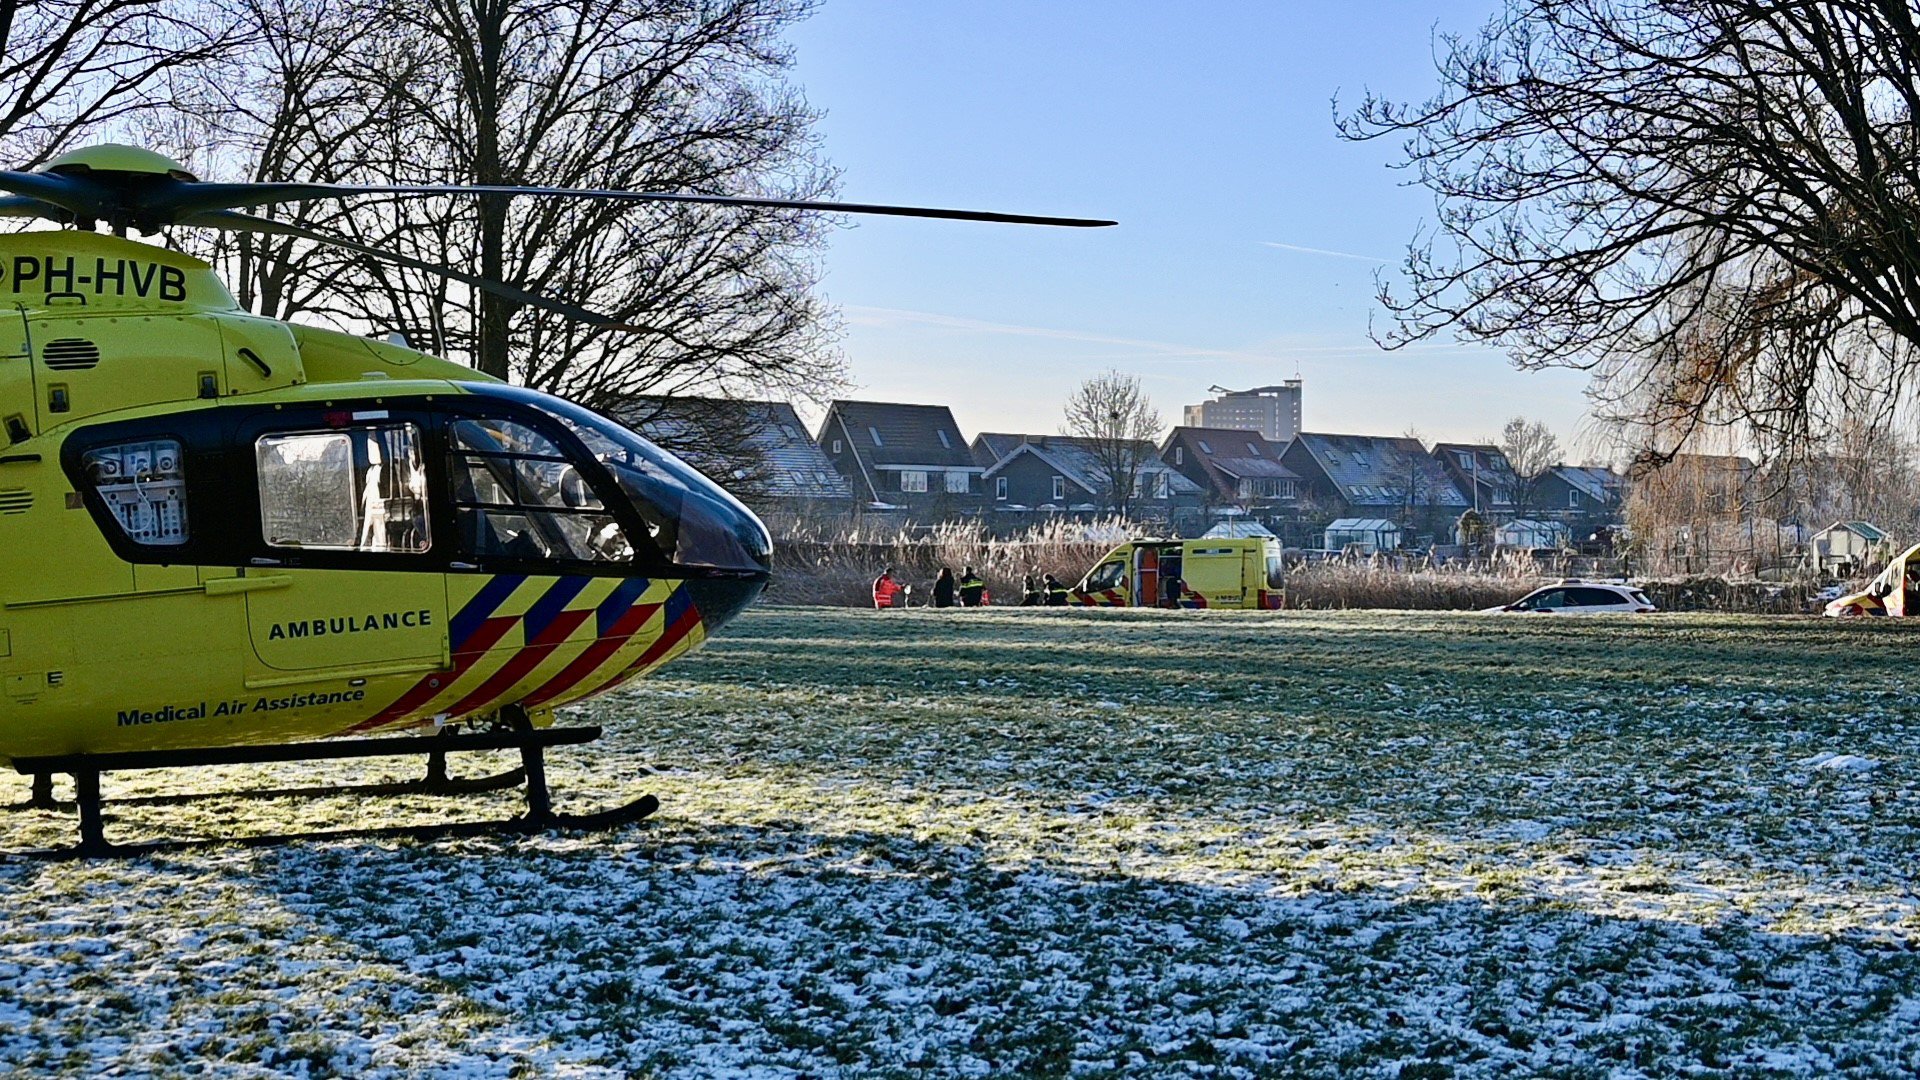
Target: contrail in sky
x=1322, y=251
x=1163, y=350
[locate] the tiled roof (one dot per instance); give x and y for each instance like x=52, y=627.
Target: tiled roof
x=1490, y=460
x=1589, y=480
x=1074, y=458
x=1867, y=531
x=1235, y=453
x=890, y=433
x=1378, y=470
x=1252, y=468
x=782, y=461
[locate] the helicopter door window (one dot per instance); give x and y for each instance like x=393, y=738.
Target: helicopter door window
x=355, y=489
x=516, y=495
x=144, y=485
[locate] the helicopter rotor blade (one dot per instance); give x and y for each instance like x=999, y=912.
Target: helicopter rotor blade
x=211, y=196
x=26, y=207
x=238, y=222
x=49, y=188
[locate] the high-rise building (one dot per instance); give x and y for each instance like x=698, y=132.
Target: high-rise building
x=1273, y=411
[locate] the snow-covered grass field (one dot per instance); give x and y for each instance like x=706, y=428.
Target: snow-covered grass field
x=1052, y=842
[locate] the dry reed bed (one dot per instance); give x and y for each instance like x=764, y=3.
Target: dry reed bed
x=839, y=572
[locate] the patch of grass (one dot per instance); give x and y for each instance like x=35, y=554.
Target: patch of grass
x=1041, y=842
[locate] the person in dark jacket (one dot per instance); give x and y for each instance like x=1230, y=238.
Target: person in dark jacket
x=943, y=588
x=1031, y=594
x=973, y=591
x=1056, y=592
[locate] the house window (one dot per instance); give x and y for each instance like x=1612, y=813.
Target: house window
x=361, y=489
x=957, y=483
x=875, y=432
x=1360, y=460
x=1059, y=488
x=1162, y=485
x=1573, y=500
x=1179, y=455
x=1204, y=448
x=1254, y=449
x=838, y=446
x=943, y=438
x=913, y=480
x=1465, y=459
x=144, y=485
x=1000, y=487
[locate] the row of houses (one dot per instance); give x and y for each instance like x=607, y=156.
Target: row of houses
x=910, y=464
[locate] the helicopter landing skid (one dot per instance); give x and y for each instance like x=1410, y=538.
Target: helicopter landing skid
x=532, y=744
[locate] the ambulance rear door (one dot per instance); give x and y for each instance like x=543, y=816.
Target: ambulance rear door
x=1146, y=576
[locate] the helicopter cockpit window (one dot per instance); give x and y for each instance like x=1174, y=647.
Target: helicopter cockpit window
x=144, y=485
x=349, y=489
x=692, y=521
x=516, y=495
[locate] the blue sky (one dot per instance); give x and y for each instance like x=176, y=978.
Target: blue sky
x=1207, y=131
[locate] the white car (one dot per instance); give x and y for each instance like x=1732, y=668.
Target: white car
x=1572, y=597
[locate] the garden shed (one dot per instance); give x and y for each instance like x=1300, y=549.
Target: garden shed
x=1364, y=535
x=1528, y=533
x=1847, y=547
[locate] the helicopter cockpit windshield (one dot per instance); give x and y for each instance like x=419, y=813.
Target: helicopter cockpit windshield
x=692, y=521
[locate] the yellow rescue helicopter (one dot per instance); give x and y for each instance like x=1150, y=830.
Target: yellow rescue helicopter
x=224, y=538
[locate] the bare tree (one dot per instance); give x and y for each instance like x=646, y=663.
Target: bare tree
x=1698, y=508
x=1110, y=413
x=1868, y=470
x=1531, y=450
x=662, y=95
x=69, y=68
x=305, y=100
x=1708, y=203
x=657, y=94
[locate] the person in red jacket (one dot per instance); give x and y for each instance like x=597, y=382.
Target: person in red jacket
x=885, y=590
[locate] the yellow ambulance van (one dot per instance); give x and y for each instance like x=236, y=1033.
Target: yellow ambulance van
x=1216, y=572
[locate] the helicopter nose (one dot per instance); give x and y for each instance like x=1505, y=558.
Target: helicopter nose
x=720, y=599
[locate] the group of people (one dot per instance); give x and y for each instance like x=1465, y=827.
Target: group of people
x=968, y=590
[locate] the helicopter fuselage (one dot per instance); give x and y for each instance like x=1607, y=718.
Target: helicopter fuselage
x=217, y=528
